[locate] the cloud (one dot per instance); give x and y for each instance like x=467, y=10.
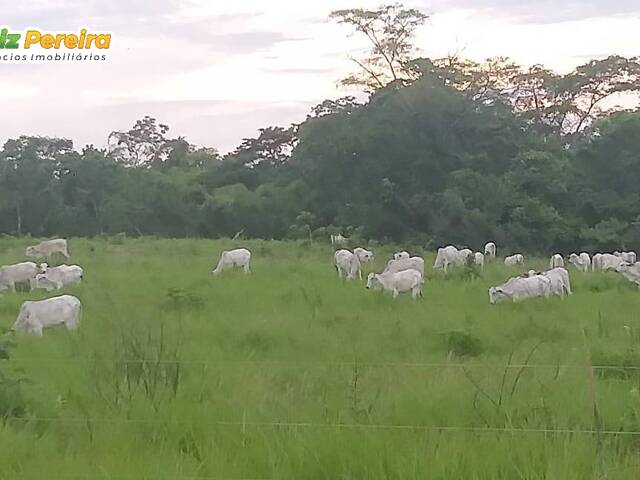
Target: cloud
x=538, y=11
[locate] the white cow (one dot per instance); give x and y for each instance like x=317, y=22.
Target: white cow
x=582, y=262
x=240, y=257
x=412, y=263
x=520, y=288
x=48, y=248
x=401, y=255
x=629, y=257
x=20, y=272
x=490, y=250
x=347, y=265
x=398, y=282
x=54, y=278
x=512, y=260
x=450, y=255
x=338, y=240
x=556, y=261
x=606, y=261
x=478, y=259
x=35, y=316
x=595, y=262
x=630, y=271
x=560, y=281
x=365, y=256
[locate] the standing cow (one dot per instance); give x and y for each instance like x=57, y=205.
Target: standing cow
x=556, y=261
x=398, y=282
x=18, y=273
x=35, y=316
x=490, y=251
x=48, y=248
x=516, y=259
x=347, y=264
x=338, y=240
x=450, y=256
x=582, y=262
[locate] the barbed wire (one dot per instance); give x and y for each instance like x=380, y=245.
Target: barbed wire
x=318, y=425
x=303, y=364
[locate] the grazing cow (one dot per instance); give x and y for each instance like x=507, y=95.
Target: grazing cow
x=520, y=288
x=490, y=250
x=582, y=262
x=465, y=253
x=512, y=260
x=54, y=278
x=630, y=271
x=556, y=261
x=398, y=282
x=478, y=259
x=347, y=265
x=401, y=255
x=450, y=255
x=365, y=256
x=606, y=261
x=240, y=257
x=412, y=263
x=35, y=316
x=629, y=257
x=48, y=248
x=338, y=240
x=20, y=272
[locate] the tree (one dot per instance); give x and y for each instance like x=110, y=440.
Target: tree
x=272, y=147
x=389, y=30
x=555, y=105
x=346, y=105
x=143, y=146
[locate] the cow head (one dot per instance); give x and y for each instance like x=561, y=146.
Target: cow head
x=497, y=295
x=623, y=266
x=372, y=280
x=31, y=252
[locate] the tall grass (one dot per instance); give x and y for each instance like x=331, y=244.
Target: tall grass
x=176, y=373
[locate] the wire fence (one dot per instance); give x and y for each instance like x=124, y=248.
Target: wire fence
x=303, y=364
x=244, y=424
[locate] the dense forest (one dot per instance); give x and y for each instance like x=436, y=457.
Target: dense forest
x=442, y=151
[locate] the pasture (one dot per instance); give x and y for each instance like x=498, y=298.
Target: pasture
x=290, y=373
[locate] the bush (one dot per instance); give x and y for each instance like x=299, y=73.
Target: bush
x=463, y=344
x=12, y=401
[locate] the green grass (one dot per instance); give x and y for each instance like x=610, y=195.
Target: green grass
x=175, y=373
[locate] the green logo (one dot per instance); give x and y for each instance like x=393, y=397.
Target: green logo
x=9, y=40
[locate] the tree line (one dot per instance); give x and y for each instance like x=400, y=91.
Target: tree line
x=442, y=151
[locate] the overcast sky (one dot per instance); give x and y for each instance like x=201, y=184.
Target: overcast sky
x=216, y=71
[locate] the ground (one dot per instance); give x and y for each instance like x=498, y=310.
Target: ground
x=291, y=373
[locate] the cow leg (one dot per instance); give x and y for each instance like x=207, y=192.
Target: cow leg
x=394, y=293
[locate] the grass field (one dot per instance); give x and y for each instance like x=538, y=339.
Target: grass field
x=290, y=373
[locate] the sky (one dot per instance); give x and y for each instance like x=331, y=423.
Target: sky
x=216, y=71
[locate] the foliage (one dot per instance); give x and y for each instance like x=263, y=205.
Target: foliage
x=389, y=31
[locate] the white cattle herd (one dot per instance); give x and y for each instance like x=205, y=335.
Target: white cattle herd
x=403, y=274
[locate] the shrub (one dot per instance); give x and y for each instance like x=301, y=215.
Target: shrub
x=463, y=344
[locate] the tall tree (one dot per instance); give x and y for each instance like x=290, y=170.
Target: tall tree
x=389, y=30
x=145, y=145
x=272, y=147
